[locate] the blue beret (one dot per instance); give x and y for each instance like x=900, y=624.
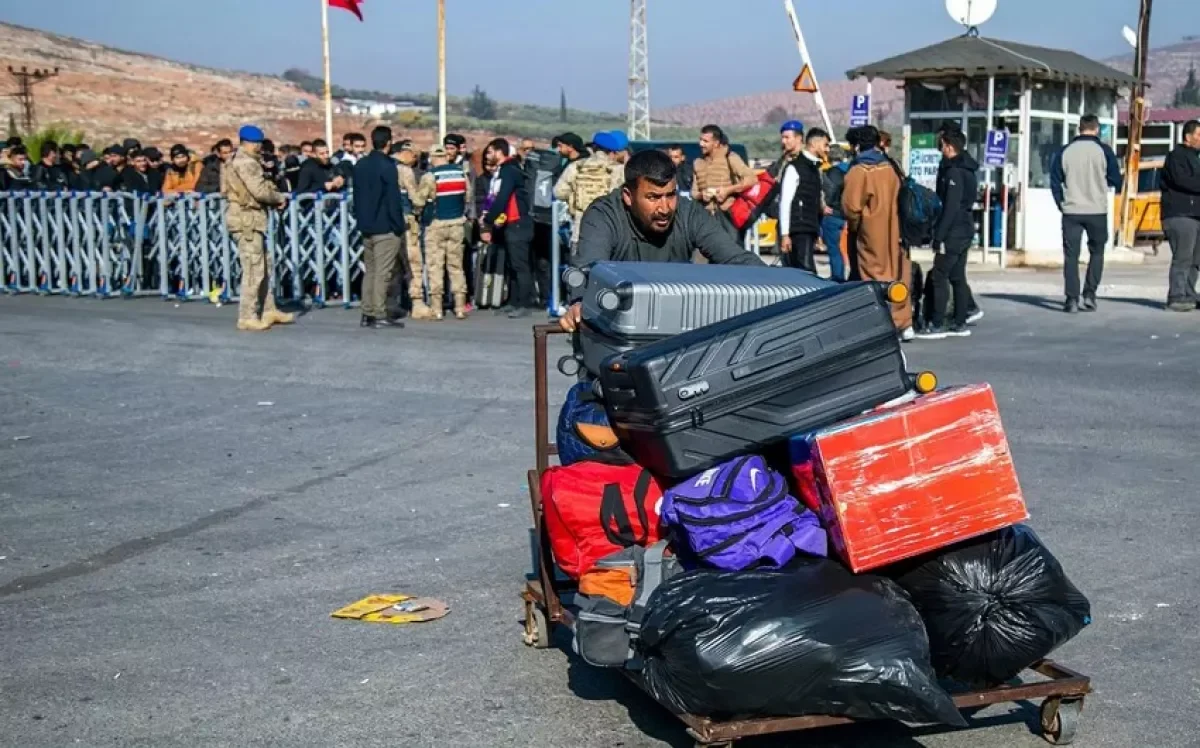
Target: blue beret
x=251, y=134
x=794, y=125
x=605, y=141
x=620, y=140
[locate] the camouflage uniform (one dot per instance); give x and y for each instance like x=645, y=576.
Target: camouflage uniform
x=410, y=192
x=583, y=182
x=249, y=194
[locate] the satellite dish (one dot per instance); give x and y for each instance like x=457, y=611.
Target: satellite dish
x=970, y=13
x=1130, y=36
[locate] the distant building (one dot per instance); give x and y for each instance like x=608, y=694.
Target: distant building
x=1162, y=132
x=374, y=108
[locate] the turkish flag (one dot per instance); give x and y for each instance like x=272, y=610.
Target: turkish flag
x=350, y=5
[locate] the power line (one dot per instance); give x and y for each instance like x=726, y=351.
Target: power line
x=26, y=79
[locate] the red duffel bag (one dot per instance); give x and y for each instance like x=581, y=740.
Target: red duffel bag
x=749, y=204
x=593, y=510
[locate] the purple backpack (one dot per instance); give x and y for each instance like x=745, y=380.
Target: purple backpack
x=739, y=515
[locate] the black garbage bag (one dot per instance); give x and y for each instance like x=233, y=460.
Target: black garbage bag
x=994, y=606
x=808, y=639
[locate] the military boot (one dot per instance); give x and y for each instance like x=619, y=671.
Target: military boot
x=460, y=306
x=421, y=312
x=276, y=317
x=253, y=325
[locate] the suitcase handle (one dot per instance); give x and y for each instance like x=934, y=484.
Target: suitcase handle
x=759, y=365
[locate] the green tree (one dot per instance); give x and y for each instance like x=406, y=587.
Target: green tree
x=480, y=105
x=56, y=133
x=776, y=116
x=1188, y=95
x=562, y=105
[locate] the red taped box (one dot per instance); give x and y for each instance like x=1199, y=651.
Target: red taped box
x=904, y=481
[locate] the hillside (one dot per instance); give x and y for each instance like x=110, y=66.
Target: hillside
x=751, y=110
x=1168, y=67
x=111, y=94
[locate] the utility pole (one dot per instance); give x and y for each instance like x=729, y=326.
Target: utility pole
x=639, y=73
x=26, y=79
x=441, y=20
x=1125, y=230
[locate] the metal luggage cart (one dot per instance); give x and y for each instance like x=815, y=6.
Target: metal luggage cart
x=1061, y=690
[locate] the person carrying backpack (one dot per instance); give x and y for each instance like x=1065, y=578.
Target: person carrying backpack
x=870, y=201
x=956, y=188
x=587, y=180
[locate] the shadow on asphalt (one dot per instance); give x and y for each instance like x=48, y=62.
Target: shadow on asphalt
x=1041, y=302
x=1054, y=304
x=599, y=684
x=1147, y=303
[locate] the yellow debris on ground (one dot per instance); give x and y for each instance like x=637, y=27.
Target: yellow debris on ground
x=393, y=609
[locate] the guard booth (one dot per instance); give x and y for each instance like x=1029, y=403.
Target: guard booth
x=1033, y=94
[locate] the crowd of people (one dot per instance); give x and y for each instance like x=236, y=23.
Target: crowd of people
x=844, y=199
x=129, y=166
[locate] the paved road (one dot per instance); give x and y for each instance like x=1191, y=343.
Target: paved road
x=171, y=546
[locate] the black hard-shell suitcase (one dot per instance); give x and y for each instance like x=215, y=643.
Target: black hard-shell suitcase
x=687, y=403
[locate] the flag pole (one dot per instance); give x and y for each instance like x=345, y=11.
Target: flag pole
x=328, y=86
x=441, y=19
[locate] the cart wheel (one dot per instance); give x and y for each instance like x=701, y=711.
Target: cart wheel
x=1060, y=720
x=537, y=628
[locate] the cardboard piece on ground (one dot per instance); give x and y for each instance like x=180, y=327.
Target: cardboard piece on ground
x=393, y=609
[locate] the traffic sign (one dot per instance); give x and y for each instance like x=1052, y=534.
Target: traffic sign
x=805, y=82
x=860, y=110
x=996, y=152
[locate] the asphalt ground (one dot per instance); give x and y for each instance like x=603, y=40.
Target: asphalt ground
x=182, y=506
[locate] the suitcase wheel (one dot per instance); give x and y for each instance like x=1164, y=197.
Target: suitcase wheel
x=925, y=382
x=568, y=366
x=897, y=292
x=575, y=279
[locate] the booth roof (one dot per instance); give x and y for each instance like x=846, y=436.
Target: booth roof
x=970, y=56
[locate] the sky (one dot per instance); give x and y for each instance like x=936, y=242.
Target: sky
x=525, y=50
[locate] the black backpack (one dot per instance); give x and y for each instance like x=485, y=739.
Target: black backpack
x=920, y=208
x=542, y=168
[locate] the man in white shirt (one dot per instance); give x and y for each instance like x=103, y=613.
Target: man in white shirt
x=800, y=203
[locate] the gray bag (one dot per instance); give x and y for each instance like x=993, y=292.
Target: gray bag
x=629, y=304
x=605, y=629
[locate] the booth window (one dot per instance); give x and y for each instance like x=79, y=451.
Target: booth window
x=1101, y=102
x=925, y=99
x=1075, y=98
x=1048, y=96
x=1008, y=93
x=1045, y=139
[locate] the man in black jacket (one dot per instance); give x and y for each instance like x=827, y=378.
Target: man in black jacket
x=317, y=173
x=509, y=223
x=800, y=204
x=645, y=221
x=380, y=218
x=210, y=176
x=49, y=175
x=13, y=176
x=1181, y=218
x=957, y=185
x=108, y=176
x=138, y=177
